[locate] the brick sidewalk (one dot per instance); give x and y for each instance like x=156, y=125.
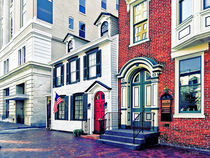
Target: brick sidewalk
x=41, y=143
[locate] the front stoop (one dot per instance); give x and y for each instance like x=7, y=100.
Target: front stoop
x=93, y=136
x=124, y=139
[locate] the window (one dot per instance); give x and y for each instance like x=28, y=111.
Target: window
x=62, y=113
x=6, y=66
x=6, y=93
x=103, y=4
x=117, y=4
x=190, y=85
x=70, y=45
x=104, y=28
x=82, y=6
x=206, y=4
x=79, y=106
x=23, y=12
x=81, y=29
x=71, y=23
x=185, y=10
x=58, y=75
x=140, y=21
x=22, y=56
x=11, y=26
x=73, y=71
x=92, y=64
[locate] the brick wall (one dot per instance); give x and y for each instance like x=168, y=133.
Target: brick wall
x=185, y=132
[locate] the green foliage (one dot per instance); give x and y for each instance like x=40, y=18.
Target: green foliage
x=78, y=132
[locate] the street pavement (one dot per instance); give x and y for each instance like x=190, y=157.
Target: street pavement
x=42, y=143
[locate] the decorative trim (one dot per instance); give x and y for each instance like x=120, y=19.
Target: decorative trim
x=100, y=83
x=179, y=34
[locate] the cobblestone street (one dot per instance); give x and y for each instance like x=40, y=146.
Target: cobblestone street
x=32, y=142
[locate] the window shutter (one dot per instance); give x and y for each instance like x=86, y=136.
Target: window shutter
x=67, y=73
x=98, y=63
x=66, y=107
x=54, y=77
x=85, y=67
x=84, y=106
x=62, y=75
x=78, y=69
x=72, y=108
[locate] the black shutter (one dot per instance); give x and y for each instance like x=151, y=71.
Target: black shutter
x=84, y=106
x=67, y=73
x=78, y=70
x=72, y=108
x=54, y=77
x=62, y=75
x=85, y=67
x=98, y=63
x=66, y=107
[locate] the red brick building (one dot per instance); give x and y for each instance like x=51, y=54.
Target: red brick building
x=148, y=72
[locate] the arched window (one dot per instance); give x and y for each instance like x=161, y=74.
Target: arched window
x=70, y=46
x=104, y=28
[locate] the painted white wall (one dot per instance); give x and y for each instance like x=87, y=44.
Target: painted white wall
x=109, y=51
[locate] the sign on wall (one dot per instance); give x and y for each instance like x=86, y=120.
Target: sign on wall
x=166, y=109
x=45, y=10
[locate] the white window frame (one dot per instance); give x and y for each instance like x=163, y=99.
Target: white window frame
x=131, y=6
x=177, y=114
x=23, y=13
x=21, y=56
x=6, y=66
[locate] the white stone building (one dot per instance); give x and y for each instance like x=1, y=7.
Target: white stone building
x=85, y=78
x=31, y=35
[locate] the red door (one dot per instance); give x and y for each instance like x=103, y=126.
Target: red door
x=99, y=110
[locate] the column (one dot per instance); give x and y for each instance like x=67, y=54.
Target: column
x=6, y=26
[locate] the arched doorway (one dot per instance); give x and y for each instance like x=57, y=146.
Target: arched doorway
x=140, y=96
x=98, y=110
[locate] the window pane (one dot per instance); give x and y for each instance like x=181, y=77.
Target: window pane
x=103, y=4
x=78, y=103
x=92, y=71
x=71, y=23
x=185, y=9
x=206, y=4
x=140, y=12
x=190, y=98
x=190, y=85
x=190, y=65
x=81, y=29
x=82, y=6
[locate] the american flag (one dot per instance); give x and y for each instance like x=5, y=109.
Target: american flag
x=58, y=100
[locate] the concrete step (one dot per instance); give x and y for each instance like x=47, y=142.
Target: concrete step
x=122, y=139
x=120, y=144
x=129, y=133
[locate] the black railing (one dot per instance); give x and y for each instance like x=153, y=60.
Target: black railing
x=111, y=120
x=139, y=124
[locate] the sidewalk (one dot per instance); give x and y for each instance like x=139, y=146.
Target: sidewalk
x=8, y=126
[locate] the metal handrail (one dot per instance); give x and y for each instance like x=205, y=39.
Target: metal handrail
x=136, y=126
x=109, y=120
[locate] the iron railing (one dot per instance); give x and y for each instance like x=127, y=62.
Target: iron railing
x=139, y=124
x=111, y=120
